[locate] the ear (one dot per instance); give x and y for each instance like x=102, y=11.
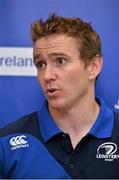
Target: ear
x=95, y=67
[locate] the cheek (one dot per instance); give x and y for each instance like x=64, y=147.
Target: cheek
x=77, y=78
x=71, y=81
x=73, y=76
x=39, y=78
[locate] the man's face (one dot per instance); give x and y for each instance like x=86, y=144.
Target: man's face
x=60, y=72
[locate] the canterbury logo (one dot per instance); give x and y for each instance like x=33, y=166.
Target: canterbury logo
x=19, y=142
x=107, y=148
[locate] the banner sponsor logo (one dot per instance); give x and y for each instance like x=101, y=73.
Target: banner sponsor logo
x=17, y=61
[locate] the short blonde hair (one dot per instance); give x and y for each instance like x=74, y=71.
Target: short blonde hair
x=88, y=40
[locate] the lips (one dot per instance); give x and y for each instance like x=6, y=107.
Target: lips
x=52, y=92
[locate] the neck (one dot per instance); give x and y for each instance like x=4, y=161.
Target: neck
x=78, y=120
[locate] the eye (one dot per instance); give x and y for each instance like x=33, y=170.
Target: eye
x=40, y=65
x=61, y=60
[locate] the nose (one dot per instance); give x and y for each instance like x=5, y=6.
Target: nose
x=49, y=74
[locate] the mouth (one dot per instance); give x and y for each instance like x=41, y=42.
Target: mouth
x=52, y=92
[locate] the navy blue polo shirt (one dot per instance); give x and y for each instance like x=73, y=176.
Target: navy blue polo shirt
x=34, y=147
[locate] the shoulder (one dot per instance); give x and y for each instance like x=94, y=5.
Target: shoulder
x=23, y=124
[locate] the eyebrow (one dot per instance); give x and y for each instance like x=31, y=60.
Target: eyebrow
x=59, y=54
x=37, y=55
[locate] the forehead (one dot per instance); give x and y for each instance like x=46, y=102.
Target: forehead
x=56, y=44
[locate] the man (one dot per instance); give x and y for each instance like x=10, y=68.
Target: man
x=75, y=134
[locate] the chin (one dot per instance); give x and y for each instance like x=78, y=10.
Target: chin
x=57, y=105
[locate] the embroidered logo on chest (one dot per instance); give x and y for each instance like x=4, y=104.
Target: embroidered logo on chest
x=18, y=142
x=107, y=151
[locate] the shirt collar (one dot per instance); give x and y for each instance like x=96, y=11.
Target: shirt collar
x=102, y=127
x=48, y=126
